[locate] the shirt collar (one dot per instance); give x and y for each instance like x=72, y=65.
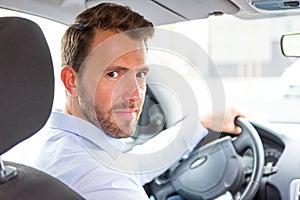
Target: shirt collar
x=87, y=130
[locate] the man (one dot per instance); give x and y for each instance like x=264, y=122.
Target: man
x=104, y=71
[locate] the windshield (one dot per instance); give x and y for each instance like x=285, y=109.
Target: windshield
x=255, y=74
x=246, y=53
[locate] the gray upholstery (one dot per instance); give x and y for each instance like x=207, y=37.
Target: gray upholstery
x=27, y=80
x=26, y=97
x=35, y=185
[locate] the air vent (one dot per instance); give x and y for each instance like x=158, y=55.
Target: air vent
x=273, y=5
x=295, y=189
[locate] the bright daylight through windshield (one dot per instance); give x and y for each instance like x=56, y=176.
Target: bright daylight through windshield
x=255, y=74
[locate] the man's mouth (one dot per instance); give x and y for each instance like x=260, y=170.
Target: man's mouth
x=128, y=115
x=128, y=111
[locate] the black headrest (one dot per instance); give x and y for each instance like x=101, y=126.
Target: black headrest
x=26, y=80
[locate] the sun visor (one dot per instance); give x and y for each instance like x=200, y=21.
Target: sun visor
x=199, y=9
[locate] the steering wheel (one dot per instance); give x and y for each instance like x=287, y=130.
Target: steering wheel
x=217, y=168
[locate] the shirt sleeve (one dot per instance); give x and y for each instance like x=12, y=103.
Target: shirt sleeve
x=110, y=185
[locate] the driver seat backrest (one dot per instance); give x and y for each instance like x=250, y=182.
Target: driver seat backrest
x=27, y=91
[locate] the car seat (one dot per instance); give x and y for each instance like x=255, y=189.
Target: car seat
x=27, y=91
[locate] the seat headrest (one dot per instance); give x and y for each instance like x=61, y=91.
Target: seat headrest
x=26, y=80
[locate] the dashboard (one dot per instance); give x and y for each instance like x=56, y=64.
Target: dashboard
x=281, y=177
x=273, y=145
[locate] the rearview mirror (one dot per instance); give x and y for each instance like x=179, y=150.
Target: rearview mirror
x=290, y=45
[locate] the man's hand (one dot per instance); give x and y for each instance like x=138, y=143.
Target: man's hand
x=223, y=122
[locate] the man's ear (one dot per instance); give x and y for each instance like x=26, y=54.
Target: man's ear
x=68, y=76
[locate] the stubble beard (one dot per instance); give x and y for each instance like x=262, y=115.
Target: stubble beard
x=108, y=124
x=105, y=120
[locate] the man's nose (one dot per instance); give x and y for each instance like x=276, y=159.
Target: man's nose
x=133, y=90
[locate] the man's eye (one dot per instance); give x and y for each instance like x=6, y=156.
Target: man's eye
x=113, y=74
x=141, y=74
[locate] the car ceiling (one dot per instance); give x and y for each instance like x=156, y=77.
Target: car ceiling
x=158, y=11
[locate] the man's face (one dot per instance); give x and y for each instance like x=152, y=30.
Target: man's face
x=112, y=84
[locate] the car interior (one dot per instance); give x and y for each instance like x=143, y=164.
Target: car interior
x=262, y=163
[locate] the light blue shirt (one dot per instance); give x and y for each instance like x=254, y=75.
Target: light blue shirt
x=94, y=164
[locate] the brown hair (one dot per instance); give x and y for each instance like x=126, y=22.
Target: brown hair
x=105, y=16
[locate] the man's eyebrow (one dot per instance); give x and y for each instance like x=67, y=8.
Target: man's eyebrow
x=144, y=68
x=125, y=69
x=116, y=68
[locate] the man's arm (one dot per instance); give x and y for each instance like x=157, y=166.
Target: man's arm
x=222, y=122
